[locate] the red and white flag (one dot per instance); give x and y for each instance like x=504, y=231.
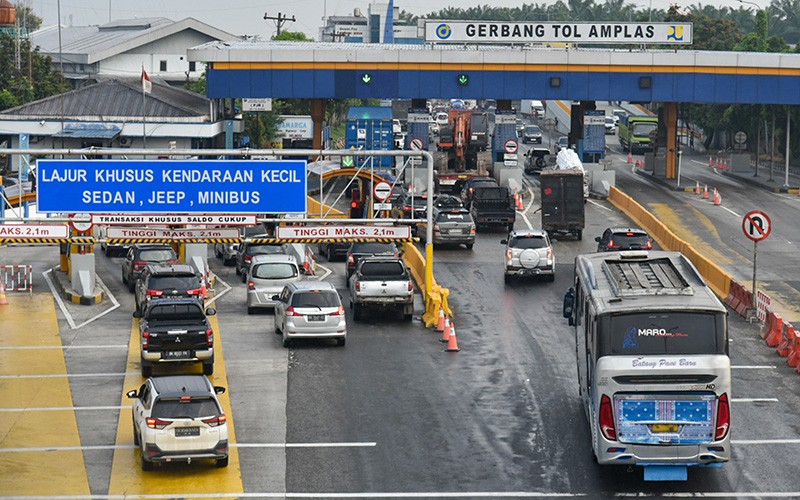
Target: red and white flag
x=147, y=85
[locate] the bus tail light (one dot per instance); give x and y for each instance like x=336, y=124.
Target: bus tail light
x=607, y=426
x=723, y=417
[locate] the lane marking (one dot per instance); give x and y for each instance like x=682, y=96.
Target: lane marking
x=754, y=367
x=714, y=494
x=227, y=289
x=98, y=447
x=63, y=408
x=754, y=400
x=67, y=375
x=64, y=347
x=328, y=272
x=598, y=205
x=58, y=299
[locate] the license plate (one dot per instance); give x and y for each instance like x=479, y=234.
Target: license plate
x=456, y=231
x=187, y=431
x=665, y=427
x=176, y=354
x=316, y=317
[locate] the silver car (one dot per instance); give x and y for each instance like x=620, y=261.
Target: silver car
x=226, y=252
x=266, y=278
x=310, y=310
x=453, y=226
x=529, y=252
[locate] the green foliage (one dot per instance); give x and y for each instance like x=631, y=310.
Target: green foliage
x=27, y=19
x=293, y=36
x=199, y=86
x=33, y=80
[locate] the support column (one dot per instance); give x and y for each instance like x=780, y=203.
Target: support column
x=671, y=122
x=318, y=117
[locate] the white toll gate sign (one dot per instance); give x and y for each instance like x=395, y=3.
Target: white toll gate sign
x=382, y=190
x=756, y=225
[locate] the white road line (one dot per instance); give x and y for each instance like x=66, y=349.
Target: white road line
x=765, y=441
x=57, y=297
x=38, y=449
x=70, y=375
x=448, y=494
x=753, y=367
x=714, y=494
x=598, y=205
x=731, y=211
x=220, y=294
x=64, y=347
x=328, y=272
x=113, y=301
x=63, y=408
x=700, y=162
x=754, y=400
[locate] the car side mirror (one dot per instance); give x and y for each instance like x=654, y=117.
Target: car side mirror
x=504, y=242
x=275, y=297
x=132, y=394
x=211, y=311
x=219, y=389
x=137, y=314
x=569, y=305
x=597, y=239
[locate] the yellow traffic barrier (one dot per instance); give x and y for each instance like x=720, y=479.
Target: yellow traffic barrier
x=438, y=295
x=717, y=279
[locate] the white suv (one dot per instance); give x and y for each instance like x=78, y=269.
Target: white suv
x=179, y=419
x=529, y=252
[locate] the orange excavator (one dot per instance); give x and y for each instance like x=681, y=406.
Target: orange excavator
x=454, y=137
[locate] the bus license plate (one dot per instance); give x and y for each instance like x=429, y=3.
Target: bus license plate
x=665, y=427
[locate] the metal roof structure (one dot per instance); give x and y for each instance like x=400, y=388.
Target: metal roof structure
x=90, y=44
x=335, y=70
x=117, y=99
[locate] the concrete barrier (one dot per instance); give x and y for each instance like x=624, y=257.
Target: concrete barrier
x=717, y=279
x=438, y=295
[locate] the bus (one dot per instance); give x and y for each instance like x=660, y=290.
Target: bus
x=636, y=133
x=653, y=367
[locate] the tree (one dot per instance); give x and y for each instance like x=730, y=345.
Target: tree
x=293, y=36
x=27, y=19
x=33, y=80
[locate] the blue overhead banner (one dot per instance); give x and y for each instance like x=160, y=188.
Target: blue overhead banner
x=172, y=186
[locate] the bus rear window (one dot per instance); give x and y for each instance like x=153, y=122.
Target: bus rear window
x=664, y=333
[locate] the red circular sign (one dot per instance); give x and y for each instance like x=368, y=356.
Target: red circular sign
x=416, y=144
x=81, y=222
x=382, y=190
x=756, y=225
x=511, y=146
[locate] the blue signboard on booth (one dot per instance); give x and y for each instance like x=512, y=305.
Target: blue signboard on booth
x=594, y=131
x=172, y=186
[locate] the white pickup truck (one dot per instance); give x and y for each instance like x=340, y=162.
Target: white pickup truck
x=382, y=282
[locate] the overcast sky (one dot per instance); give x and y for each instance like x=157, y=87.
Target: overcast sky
x=246, y=17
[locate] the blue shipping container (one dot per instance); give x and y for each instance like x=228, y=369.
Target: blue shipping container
x=370, y=127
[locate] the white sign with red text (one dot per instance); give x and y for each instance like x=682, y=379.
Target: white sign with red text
x=155, y=219
x=175, y=234
x=317, y=232
x=10, y=231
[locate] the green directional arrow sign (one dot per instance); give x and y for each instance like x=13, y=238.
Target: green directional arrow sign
x=463, y=79
x=366, y=78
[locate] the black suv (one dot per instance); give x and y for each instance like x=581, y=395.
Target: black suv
x=140, y=256
x=246, y=251
x=473, y=183
x=623, y=238
x=359, y=250
x=168, y=281
x=536, y=160
x=175, y=331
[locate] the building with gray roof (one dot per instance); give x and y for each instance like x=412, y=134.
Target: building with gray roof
x=120, y=49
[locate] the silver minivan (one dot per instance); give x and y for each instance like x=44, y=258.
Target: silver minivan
x=267, y=276
x=310, y=310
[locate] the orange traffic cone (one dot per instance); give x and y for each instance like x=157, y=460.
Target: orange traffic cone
x=452, y=343
x=518, y=200
x=705, y=192
x=440, y=323
x=717, y=197
x=630, y=158
x=710, y=162
x=3, y=300
x=696, y=187
x=446, y=332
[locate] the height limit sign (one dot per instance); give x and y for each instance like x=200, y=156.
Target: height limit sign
x=756, y=226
